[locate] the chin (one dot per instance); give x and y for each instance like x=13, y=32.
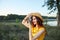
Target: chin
x=34, y=24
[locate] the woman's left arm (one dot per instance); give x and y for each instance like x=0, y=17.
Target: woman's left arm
x=30, y=33
x=38, y=34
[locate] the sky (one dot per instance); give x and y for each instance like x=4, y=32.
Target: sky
x=23, y=7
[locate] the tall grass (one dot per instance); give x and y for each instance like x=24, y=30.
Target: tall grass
x=13, y=31
x=17, y=31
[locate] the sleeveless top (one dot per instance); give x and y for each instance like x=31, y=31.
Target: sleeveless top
x=35, y=30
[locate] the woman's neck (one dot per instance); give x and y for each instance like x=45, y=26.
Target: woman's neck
x=37, y=25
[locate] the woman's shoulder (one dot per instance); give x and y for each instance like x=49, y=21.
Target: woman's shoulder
x=41, y=28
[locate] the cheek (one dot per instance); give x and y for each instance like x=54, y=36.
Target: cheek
x=34, y=21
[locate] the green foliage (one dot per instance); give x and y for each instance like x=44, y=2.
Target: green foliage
x=11, y=17
x=17, y=31
x=17, y=20
x=53, y=33
x=52, y=5
x=13, y=31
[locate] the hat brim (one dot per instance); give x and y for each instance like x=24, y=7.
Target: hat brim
x=38, y=15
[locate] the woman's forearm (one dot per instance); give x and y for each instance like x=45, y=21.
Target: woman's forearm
x=30, y=33
x=38, y=34
x=27, y=16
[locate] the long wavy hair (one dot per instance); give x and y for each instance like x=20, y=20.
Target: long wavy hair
x=39, y=21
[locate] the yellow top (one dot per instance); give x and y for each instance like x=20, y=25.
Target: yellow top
x=35, y=30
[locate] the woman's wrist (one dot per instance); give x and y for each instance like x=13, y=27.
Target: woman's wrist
x=26, y=17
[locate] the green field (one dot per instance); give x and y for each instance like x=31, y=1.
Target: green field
x=17, y=31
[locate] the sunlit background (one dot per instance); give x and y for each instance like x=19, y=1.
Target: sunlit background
x=23, y=7
x=12, y=12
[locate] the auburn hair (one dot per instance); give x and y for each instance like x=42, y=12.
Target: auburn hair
x=39, y=21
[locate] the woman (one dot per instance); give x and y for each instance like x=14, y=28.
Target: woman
x=34, y=21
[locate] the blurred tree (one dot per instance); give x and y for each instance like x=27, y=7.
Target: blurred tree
x=53, y=5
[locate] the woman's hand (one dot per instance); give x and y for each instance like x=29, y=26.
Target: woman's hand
x=25, y=21
x=27, y=16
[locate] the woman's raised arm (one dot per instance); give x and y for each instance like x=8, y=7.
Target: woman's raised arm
x=25, y=21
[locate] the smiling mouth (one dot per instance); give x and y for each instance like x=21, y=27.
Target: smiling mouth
x=34, y=23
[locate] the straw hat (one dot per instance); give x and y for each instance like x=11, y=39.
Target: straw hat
x=37, y=14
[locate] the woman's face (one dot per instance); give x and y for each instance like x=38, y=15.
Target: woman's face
x=34, y=20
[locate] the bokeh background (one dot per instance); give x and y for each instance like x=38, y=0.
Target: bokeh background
x=12, y=12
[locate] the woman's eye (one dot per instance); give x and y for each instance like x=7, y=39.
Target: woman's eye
x=34, y=19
